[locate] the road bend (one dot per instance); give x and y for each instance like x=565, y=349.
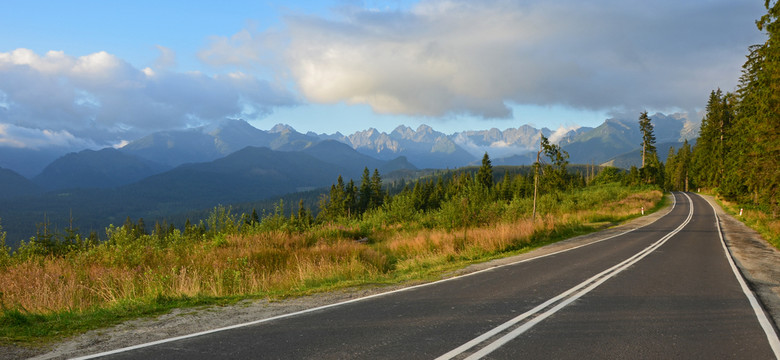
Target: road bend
x=665, y=290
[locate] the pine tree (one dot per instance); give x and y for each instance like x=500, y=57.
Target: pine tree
x=680, y=173
x=651, y=171
x=255, y=218
x=648, y=138
x=671, y=166
x=758, y=141
x=350, y=198
x=377, y=194
x=485, y=173
x=365, y=193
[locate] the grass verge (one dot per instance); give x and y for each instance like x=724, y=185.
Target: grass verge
x=46, y=298
x=758, y=220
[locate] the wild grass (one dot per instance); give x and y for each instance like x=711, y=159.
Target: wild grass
x=759, y=220
x=130, y=276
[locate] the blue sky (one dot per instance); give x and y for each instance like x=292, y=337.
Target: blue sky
x=95, y=73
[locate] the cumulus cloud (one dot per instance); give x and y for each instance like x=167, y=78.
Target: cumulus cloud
x=103, y=98
x=444, y=57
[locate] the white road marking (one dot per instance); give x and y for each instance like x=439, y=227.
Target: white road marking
x=568, y=297
x=766, y=324
x=260, y=321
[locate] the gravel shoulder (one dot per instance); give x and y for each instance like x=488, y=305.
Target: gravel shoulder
x=759, y=262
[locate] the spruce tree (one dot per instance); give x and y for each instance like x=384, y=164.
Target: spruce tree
x=365, y=193
x=485, y=173
x=682, y=164
x=651, y=170
x=377, y=194
x=648, y=138
x=671, y=166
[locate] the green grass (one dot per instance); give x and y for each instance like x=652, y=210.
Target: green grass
x=352, y=265
x=20, y=327
x=756, y=219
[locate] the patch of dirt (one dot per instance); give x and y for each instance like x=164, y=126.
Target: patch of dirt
x=758, y=260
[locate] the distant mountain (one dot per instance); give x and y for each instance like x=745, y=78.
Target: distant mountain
x=511, y=142
x=619, y=136
x=611, y=138
x=634, y=157
x=175, y=147
x=515, y=160
x=29, y=162
x=96, y=169
x=499, y=143
x=248, y=174
x=400, y=163
x=208, y=143
x=424, y=147
x=13, y=185
x=342, y=155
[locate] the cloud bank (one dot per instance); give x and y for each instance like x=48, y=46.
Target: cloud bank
x=104, y=99
x=445, y=57
x=439, y=58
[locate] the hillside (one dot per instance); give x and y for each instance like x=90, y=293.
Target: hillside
x=248, y=175
x=208, y=143
x=15, y=185
x=104, y=168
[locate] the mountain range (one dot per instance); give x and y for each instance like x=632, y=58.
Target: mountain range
x=175, y=171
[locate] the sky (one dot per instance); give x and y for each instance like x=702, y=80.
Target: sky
x=88, y=73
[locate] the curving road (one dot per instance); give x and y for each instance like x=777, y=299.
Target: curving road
x=666, y=290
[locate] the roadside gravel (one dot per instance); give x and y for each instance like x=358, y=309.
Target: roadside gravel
x=759, y=262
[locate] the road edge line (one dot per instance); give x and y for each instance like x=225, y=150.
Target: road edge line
x=579, y=290
x=763, y=319
x=305, y=311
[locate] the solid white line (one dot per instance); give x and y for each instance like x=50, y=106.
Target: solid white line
x=188, y=336
x=588, y=284
x=766, y=324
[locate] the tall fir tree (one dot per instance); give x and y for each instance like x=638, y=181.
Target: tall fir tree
x=652, y=170
x=485, y=172
x=365, y=193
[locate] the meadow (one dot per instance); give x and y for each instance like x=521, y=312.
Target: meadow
x=228, y=257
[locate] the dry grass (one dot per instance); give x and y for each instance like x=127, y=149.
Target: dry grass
x=763, y=223
x=274, y=262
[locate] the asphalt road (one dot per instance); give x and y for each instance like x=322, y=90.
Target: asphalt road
x=666, y=290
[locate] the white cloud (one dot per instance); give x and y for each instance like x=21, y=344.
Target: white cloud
x=26, y=138
x=167, y=58
x=445, y=57
x=247, y=48
x=103, y=98
x=562, y=131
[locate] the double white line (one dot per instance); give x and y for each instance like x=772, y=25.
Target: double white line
x=513, y=328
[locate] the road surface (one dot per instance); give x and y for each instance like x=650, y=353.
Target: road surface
x=666, y=290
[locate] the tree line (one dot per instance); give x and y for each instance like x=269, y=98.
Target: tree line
x=738, y=149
